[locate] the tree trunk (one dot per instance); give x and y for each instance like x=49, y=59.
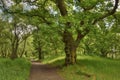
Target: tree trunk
x=70, y=55
x=15, y=45
x=70, y=48
x=54, y=46
x=39, y=50
x=24, y=46
x=2, y=52
x=40, y=54
x=103, y=53
x=70, y=44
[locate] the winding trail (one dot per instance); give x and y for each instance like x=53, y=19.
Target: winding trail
x=41, y=71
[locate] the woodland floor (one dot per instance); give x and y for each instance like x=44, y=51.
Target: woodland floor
x=41, y=71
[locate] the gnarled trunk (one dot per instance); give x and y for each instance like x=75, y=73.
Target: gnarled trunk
x=70, y=55
x=70, y=48
x=70, y=44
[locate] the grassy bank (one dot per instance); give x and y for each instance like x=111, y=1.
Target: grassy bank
x=14, y=69
x=90, y=68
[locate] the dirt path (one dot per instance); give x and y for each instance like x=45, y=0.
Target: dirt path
x=43, y=72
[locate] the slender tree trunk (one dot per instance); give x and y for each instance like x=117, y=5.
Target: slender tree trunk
x=15, y=45
x=39, y=49
x=24, y=46
x=55, y=46
x=26, y=54
x=2, y=52
x=103, y=53
x=40, y=53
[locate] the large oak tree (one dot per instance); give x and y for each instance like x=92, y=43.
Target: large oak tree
x=75, y=17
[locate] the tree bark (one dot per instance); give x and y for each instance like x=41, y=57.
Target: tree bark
x=39, y=50
x=70, y=48
x=71, y=44
x=15, y=44
x=54, y=46
x=14, y=49
x=40, y=53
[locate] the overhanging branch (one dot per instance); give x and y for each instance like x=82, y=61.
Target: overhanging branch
x=109, y=13
x=6, y=10
x=61, y=6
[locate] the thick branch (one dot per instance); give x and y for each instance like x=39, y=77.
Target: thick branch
x=109, y=13
x=89, y=8
x=81, y=35
x=61, y=6
x=29, y=15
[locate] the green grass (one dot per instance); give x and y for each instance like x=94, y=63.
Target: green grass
x=89, y=68
x=52, y=59
x=17, y=69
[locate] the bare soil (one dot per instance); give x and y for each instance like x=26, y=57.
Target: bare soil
x=41, y=71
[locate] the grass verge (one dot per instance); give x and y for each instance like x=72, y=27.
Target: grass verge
x=90, y=68
x=17, y=69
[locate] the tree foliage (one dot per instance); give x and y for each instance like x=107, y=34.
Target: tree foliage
x=90, y=23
